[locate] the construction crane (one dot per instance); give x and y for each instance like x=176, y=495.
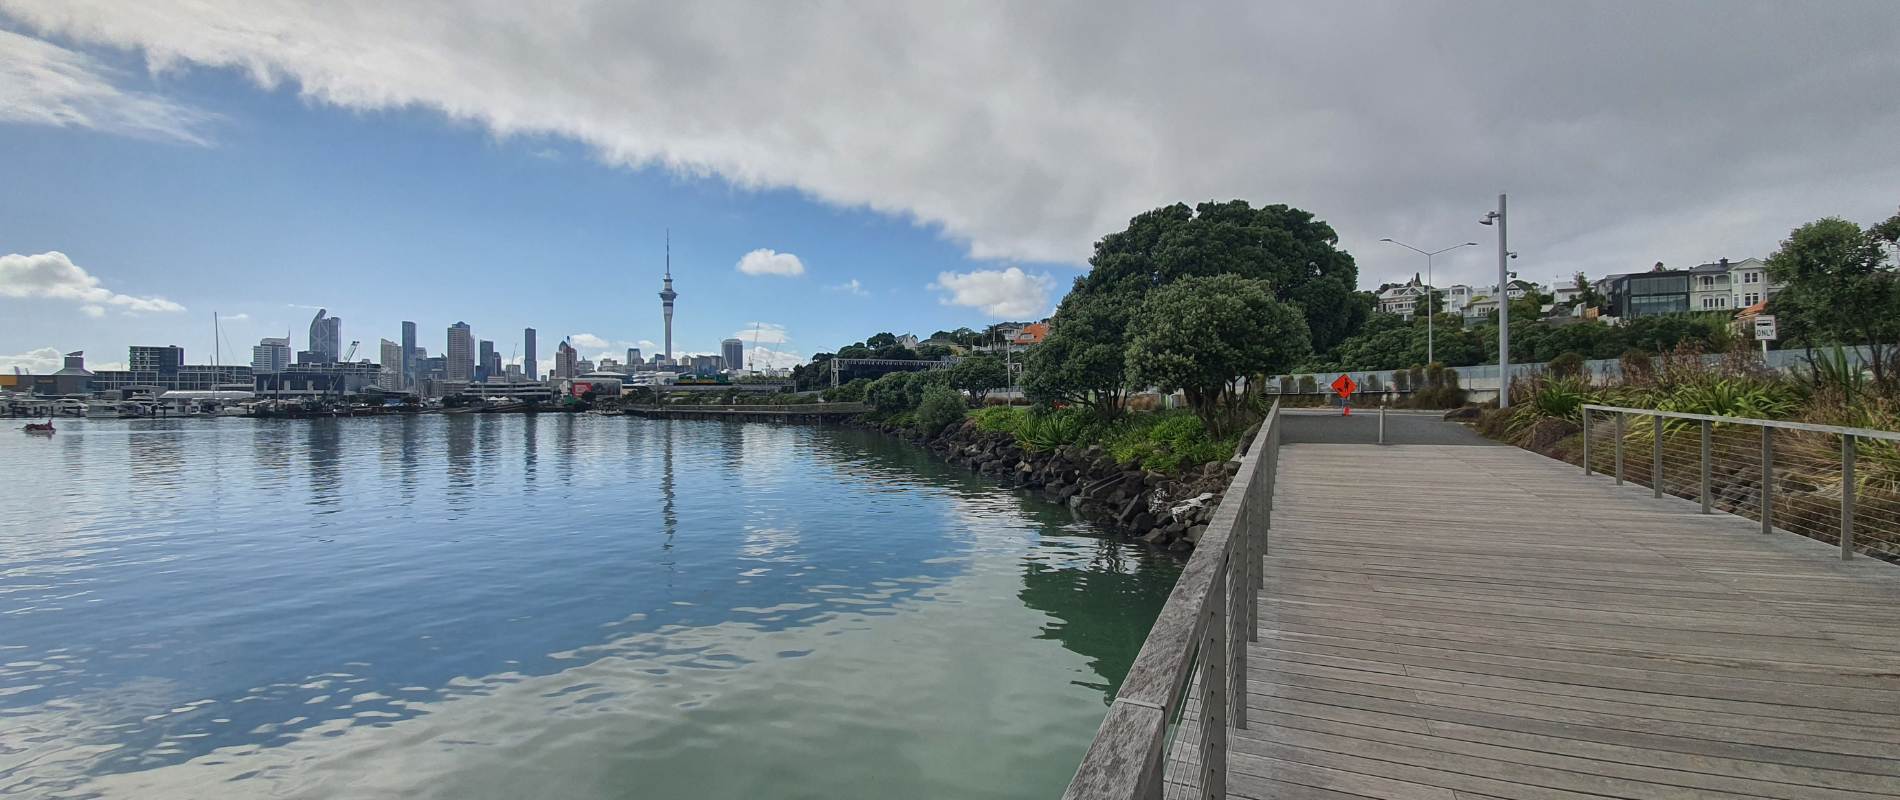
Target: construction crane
x=755, y=348
x=352, y=353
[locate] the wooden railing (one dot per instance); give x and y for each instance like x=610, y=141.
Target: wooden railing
x=1198, y=643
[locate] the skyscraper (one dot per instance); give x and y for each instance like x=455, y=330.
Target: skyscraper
x=326, y=337
x=461, y=353
x=734, y=352
x=528, y=365
x=633, y=357
x=564, y=360
x=392, y=358
x=489, y=365
x=270, y=356
x=667, y=295
x=408, y=354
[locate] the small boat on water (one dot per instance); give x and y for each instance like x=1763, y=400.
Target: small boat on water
x=39, y=427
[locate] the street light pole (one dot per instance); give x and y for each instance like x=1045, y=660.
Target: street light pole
x=1504, y=305
x=1430, y=354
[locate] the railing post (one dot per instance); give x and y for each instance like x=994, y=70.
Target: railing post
x=1214, y=694
x=1619, y=448
x=1381, y=423
x=1586, y=442
x=1237, y=639
x=1709, y=483
x=1767, y=479
x=1847, y=497
x=1655, y=456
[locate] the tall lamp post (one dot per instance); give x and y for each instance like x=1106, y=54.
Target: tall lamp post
x=1504, y=305
x=1429, y=352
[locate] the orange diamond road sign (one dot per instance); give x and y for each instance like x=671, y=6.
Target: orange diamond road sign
x=1344, y=386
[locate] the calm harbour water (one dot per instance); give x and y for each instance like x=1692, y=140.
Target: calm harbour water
x=553, y=606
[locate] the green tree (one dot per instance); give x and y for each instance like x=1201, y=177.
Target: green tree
x=1082, y=360
x=1842, y=287
x=1297, y=255
x=1202, y=335
x=978, y=376
x=1587, y=294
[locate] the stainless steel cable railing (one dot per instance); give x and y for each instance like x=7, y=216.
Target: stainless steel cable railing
x=1834, y=484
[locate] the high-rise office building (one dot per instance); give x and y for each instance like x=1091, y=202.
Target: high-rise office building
x=633, y=356
x=270, y=356
x=734, y=352
x=565, y=360
x=408, y=354
x=488, y=364
x=392, y=359
x=667, y=295
x=326, y=337
x=165, y=359
x=461, y=353
x=528, y=365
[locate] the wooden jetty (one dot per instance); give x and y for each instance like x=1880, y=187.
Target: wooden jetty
x=1456, y=623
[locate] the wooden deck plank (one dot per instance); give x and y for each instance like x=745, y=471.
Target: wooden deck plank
x=1482, y=622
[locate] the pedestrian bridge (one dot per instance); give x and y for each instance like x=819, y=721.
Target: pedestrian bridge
x=1446, y=621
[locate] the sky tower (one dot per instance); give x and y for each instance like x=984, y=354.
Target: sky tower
x=667, y=295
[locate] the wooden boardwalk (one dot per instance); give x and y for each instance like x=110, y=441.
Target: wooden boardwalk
x=1448, y=622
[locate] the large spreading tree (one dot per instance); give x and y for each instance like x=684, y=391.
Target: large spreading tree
x=1297, y=255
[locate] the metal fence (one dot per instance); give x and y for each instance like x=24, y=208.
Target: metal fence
x=1166, y=730
x=1834, y=484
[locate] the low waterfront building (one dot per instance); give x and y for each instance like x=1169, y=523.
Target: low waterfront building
x=521, y=390
x=318, y=380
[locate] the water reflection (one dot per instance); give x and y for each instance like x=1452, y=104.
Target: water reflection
x=689, y=609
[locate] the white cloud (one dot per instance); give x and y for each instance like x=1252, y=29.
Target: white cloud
x=238, y=317
x=588, y=341
x=851, y=287
x=646, y=346
x=762, y=333
x=45, y=84
x=51, y=275
x=1010, y=293
x=764, y=261
x=765, y=357
x=40, y=361
x=93, y=311
x=1001, y=126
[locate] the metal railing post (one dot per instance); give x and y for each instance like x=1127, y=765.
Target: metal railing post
x=1767, y=479
x=1619, y=448
x=1847, y=497
x=1382, y=423
x=1214, y=694
x=1655, y=457
x=1586, y=442
x=1709, y=481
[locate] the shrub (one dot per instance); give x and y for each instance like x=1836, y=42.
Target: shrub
x=1049, y=430
x=851, y=392
x=1166, y=442
x=1639, y=366
x=1402, y=380
x=942, y=406
x=1567, y=365
x=890, y=394
x=1308, y=385
x=1000, y=419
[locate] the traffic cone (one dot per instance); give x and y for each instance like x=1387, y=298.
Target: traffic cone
x=1348, y=412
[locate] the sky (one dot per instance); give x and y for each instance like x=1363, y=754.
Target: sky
x=830, y=170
